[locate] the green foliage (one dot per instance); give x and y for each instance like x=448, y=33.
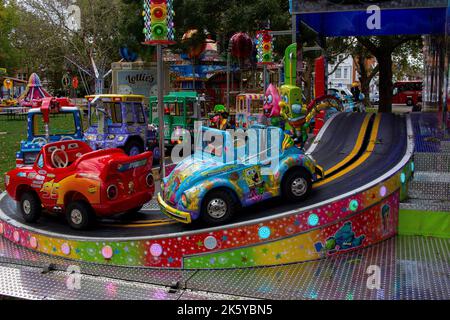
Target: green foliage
x=222, y=19
x=9, y=55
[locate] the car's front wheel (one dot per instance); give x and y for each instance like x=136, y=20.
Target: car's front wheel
x=30, y=207
x=80, y=215
x=297, y=185
x=218, y=208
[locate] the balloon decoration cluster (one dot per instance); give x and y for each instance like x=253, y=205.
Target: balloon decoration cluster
x=241, y=45
x=264, y=47
x=158, y=19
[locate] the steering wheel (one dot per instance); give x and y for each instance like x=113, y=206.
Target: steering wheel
x=66, y=138
x=57, y=161
x=41, y=141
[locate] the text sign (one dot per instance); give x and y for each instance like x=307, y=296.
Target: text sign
x=142, y=82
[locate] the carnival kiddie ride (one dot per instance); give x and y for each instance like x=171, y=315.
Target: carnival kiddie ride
x=366, y=161
x=120, y=121
x=41, y=130
x=249, y=110
x=181, y=110
x=33, y=92
x=68, y=177
x=218, y=179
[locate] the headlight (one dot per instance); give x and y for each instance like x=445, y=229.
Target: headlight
x=184, y=201
x=121, y=138
x=112, y=192
x=150, y=181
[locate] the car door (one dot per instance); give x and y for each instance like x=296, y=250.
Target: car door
x=44, y=182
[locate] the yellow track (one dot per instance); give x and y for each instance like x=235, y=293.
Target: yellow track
x=356, y=149
x=367, y=154
x=143, y=224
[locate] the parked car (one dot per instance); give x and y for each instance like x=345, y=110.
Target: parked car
x=407, y=92
x=68, y=177
x=51, y=120
x=375, y=98
x=211, y=187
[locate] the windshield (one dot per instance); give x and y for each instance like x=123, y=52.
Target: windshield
x=255, y=145
x=112, y=112
x=60, y=124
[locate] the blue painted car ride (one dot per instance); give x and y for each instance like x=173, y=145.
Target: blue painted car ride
x=66, y=124
x=120, y=121
x=232, y=170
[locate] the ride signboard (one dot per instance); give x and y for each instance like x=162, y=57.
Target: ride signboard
x=314, y=6
x=342, y=18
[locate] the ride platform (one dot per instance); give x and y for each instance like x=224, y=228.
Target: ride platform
x=367, y=161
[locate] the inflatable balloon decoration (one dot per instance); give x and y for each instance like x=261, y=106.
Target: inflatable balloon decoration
x=241, y=48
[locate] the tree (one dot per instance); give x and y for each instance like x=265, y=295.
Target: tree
x=9, y=55
x=383, y=48
x=222, y=19
x=48, y=43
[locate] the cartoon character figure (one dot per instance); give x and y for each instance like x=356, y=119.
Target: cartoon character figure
x=385, y=215
x=255, y=183
x=344, y=239
x=220, y=119
x=272, y=109
x=294, y=113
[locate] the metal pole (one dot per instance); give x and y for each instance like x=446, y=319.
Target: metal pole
x=265, y=78
x=228, y=77
x=193, y=74
x=294, y=28
x=160, y=79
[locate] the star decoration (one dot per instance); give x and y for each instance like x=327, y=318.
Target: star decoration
x=265, y=250
x=244, y=259
x=200, y=244
x=170, y=260
x=278, y=256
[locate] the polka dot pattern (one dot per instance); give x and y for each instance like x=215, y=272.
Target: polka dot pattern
x=107, y=252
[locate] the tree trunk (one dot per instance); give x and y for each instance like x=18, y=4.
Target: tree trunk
x=364, y=80
x=308, y=80
x=386, y=85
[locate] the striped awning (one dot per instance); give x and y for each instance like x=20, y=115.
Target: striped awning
x=251, y=96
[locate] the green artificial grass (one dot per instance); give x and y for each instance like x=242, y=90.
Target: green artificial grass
x=424, y=223
x=12, y=132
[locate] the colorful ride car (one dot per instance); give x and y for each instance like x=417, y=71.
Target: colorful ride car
x=181, y=110
x=120, y=121
x=66, y=124
x=250, y=110
x=68, y=177
x=220, y=178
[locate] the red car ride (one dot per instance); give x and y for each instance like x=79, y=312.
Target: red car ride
x=407, y=92
x=68, y=177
